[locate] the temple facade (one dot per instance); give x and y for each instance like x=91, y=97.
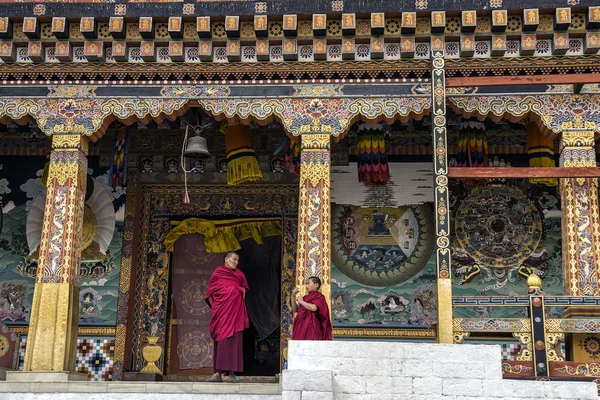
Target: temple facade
x=434, y=163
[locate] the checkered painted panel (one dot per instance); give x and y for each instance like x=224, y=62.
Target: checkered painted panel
x=510, y=349
x=95, y=356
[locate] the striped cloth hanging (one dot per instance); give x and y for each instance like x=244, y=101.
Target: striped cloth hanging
x=373, y=169
x=540, y=149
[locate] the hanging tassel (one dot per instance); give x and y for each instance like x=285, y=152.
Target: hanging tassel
x=540, y=149
x=472, y=145
x=242, y=165
x=373, y=169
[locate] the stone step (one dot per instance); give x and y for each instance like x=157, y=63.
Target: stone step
x=139, y=390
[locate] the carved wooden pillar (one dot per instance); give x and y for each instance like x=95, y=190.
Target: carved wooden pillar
x=580, y=225
x=52, y=338
x=441, y=193
x=314, y=217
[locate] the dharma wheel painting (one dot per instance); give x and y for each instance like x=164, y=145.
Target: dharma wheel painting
x=499, y=229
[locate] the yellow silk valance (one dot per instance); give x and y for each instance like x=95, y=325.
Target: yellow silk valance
x=224, y=235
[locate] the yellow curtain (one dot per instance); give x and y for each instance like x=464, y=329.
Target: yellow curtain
x=225, y=235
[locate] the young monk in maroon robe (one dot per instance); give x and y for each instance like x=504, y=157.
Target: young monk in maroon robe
x=226, y=295
x=312, y=321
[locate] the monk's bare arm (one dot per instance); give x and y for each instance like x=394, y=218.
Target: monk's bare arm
x=308, y=306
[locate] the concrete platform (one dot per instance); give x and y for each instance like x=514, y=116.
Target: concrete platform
x=139, y=390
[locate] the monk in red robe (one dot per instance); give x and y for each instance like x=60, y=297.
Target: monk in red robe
x=226, y=296
x=312, y=321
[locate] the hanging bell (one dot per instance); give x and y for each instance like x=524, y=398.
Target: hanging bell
x=196, y=148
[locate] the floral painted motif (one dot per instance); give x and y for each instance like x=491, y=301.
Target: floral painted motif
x=120, y=9
x=260, y=7
x=337, y=5
x=189, y=9
x=495, y=3
x=39, y=10
x=421, y=4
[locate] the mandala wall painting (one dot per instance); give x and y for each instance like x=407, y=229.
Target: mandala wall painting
x=381, y=247
x=499, y=229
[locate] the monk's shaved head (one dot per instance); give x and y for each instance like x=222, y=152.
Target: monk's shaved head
x=316, y=281
x=229, y=254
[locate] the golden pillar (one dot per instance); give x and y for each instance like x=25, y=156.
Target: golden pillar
x=52, y=338
x=441, y=199
x=314, y=217
x=580, y=229
x=580, y=225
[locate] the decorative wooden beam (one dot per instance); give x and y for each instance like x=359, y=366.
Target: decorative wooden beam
x=523, y=80
x=320, y=49
x=8, y=51
x=36, y=51
x=377, y=23
x=290, y=25
x=591, y=43
x=377, y=49
x=60, y=27
x=438, y=21
x=562, y=19
x=409, y=23
x=120, y=50
x=31, y=27
x=146, y=27
x=528, y=44
x=319, y=24
x=349, y=24
x=499, y=21
x=524, y=173
x=203, y=27
x=593, y=18
x=261, y=26
x=116, y=27
x=88, y=27
x=498, y=45
x=531, y=19
x=469, y=21
x=6, y=28
x=232, y=26
x=175, y=26
x=560, y=43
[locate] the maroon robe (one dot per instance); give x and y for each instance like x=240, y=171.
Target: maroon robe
x=313, y=325
x=228, y=317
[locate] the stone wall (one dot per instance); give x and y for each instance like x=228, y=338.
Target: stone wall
x=349, y=370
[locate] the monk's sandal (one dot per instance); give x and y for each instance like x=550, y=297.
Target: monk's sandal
x=214, y=378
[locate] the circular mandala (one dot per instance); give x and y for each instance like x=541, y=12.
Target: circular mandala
x=381, y=247
x=192, y=299
x=498, y=226
x=591, y=345
x=195, y=351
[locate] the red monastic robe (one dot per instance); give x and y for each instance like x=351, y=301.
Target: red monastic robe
x=228, y=309
x=309, y=325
